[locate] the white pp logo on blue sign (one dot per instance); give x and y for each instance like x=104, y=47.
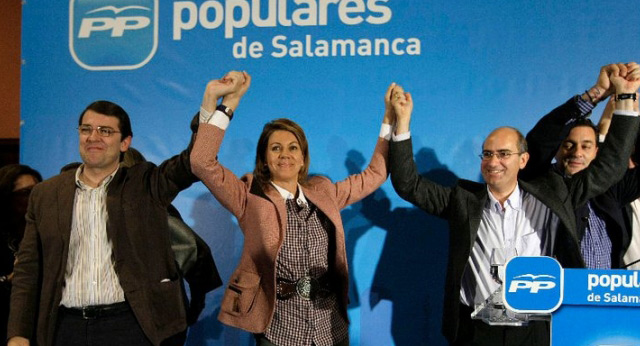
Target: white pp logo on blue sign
x=113, y=34
x=533, y=284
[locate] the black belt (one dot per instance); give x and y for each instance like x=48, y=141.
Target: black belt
x=96, y=311
x=306, y=287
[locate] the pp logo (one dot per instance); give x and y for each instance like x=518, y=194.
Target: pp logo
x=113, y=34
x=533, y=284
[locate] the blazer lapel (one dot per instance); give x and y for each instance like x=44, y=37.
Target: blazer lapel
x=66, y=196
x=552, y=201
x=272, y=195
x=475, y=204
x=475, y=207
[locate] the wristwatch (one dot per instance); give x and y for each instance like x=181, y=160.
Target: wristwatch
x=631, y=96
x=226, y=110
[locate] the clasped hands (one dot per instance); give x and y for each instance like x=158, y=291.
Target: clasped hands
x=231, y=88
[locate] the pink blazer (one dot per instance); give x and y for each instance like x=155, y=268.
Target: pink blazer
x=250, y=296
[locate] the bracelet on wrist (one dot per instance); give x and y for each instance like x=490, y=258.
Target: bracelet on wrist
x=589, y=95
x=630, y=96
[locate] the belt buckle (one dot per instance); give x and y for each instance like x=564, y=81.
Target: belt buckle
x=89, y=313
x=306, y=287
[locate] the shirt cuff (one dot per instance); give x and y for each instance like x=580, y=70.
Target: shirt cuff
x=624, y=112
x=385, y=131
x=205, y=115
x=601, y=138
x=400, y=137
x=585, y=107
x=217, y=118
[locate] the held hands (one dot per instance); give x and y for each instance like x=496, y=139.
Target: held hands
x=403, y=106
x=233, y=98
x=389, y=112
x=603, y=87
x=625, y=78
x=230, y=83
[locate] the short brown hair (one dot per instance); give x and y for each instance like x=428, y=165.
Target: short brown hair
x=261, y=171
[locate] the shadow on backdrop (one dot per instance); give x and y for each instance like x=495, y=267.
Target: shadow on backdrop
x=410, y=272
x=218, y=228
x=412, y=266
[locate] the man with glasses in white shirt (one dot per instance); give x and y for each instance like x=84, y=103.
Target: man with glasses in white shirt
x=534, y=217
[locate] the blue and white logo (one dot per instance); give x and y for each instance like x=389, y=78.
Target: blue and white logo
x=533, y=284
x=113, y=34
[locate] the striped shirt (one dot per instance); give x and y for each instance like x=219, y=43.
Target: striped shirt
x=90, y=276
x=524, y=224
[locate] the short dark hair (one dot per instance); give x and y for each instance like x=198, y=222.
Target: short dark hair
x=261, y=171
x=8, y=176
x=111, y=109
x=586, y=122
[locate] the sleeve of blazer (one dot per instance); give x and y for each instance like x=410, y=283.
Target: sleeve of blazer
x=627, y=189
x=174, y=174
x=610, y=164
x=359, y=186
x=230, y=191
x=26, y=286
x=193, y=255
x=546, y=136
x=422, y=192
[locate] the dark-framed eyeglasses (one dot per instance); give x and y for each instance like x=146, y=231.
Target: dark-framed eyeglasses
x=500, y=154
x=103, y=131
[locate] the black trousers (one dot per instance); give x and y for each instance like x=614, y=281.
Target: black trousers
x=262, y=341
x=478, y=333
x=118, y=329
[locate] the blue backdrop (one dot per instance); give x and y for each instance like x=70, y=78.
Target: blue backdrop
x=470, y=65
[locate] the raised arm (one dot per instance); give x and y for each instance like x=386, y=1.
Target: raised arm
x=409, y=185
x=547, y=135
x=359, y=186
x=223, y=184
x=611, y=163
x=175, y=174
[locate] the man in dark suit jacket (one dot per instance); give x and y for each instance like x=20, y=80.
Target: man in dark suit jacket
x=568, y=134
x=96, y=261
x=193, y=255
x=467, y=205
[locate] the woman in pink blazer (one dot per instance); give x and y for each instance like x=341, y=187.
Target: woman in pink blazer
x=290, y=287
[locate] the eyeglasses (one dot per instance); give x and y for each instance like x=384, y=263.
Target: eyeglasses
x=103, y=131
x=500, y=154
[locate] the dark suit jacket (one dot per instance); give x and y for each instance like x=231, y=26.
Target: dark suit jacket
x=137, y=201
x=545, y=139
x=462, y=206
x=195, y=263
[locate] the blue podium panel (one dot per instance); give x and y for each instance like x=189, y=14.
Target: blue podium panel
x=600, y=307
x=590, y=307
x=579, y=325
x=602, y=287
